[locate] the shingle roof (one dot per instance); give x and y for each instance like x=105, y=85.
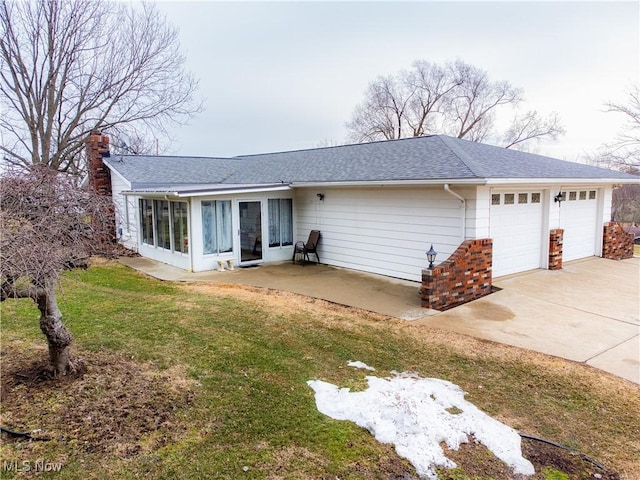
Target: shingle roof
x=436, y=157
x=144, y=171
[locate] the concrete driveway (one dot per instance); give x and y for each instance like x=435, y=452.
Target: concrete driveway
x=588, y=312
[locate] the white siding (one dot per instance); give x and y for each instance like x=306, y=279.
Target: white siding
x=384, y=230
x=478, y=212
x=126, y=214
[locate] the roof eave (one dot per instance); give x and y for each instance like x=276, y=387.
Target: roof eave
x=376, y=183
x=561, y=181
x=207, y=192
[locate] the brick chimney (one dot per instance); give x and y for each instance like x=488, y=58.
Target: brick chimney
x=99, y=173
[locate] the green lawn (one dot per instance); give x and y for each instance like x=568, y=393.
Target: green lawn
x=210, y=382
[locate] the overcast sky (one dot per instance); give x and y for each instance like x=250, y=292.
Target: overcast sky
x=286, y=76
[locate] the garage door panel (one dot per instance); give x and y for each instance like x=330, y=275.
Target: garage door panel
x=578, y=219
x=516, y=230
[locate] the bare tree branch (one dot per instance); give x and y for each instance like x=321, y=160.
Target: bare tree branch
x=72, y=66
x=531, y=126
x=457, y=99
x=624, y=151
x=475, y=101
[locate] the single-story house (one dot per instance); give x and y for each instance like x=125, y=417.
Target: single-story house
x=379, y=206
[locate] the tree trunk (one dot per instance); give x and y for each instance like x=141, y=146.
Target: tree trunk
x=58, y=337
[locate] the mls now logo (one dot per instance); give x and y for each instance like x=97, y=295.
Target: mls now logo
x=31, y=466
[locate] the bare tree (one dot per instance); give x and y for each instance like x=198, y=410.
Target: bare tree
x=475, y=101
x=457, y=99
x=382, y=116
x=625, y=204
x=624, y=151
x=531, y=126
x=431, y=89
x=48, y=224
x=402, y=105
x=72, y=66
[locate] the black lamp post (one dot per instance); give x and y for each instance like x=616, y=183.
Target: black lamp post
x=431, y=256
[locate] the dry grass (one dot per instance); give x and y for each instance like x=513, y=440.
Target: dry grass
x=201, y=381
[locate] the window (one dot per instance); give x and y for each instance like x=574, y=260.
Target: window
x=164, y=224
x=216, y=226
x=495, y=199
x=280, y=222
x=592, y=194
x=509, y=198
x=163, y=229
x=583, y=195
x=146, y=218
x=523, y=198
x=572, y=195
x=180, y=231
x=535, y=197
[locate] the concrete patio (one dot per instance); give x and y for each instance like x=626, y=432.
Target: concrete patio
x=587, y=312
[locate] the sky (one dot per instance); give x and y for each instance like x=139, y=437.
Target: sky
x=278, y=76
x=417, y=415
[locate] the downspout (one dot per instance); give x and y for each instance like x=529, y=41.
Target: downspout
x=464, y=209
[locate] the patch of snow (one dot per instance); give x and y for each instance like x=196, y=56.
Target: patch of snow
x=360, y=365
x=415, y=414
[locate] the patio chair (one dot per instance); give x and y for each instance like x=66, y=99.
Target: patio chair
x=304, y=249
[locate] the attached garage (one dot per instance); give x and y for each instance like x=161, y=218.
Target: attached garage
x=378, y=205
x=578, y=219
x=516, y=221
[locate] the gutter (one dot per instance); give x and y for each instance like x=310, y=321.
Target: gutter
x=464, y=209
x=567, y=182
x=383, y=183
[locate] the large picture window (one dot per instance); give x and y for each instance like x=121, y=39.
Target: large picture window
x=164, y=224
x=280, y=222
x=216, y=226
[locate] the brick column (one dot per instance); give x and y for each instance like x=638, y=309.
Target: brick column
x=99, y=173
x=464, y=276
x=97, y=146
x=616, y=243
x=555, y=249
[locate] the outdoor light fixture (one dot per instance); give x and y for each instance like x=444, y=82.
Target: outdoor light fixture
x=558, y=198
x=320, y=196
x=431, y=256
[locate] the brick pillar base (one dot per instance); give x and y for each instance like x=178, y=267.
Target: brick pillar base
x=555, y=249
x=464, y=276
x=616, y=243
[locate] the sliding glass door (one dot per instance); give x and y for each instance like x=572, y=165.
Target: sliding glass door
x=250, y=231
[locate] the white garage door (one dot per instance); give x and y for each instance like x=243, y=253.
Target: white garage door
x=578, y=218
x=516, y=230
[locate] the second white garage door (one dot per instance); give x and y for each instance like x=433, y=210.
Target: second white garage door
x=516, y=230
x=578, y=215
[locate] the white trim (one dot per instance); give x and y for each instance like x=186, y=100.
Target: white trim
x=400, y=183
x=557, y=181
x=234, y=192
x=205, y=193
